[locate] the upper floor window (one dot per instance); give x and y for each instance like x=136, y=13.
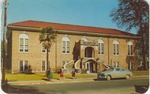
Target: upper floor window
x=65, y=45
x=23, y=43
x=130, y=48
x=115, y=47
x=44, y=49
x=100, y=46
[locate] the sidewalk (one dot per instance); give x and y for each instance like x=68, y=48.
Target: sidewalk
x=53, y=81
x=57, y=81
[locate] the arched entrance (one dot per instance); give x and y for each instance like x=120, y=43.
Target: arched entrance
x=89, y=52
x=91, y=66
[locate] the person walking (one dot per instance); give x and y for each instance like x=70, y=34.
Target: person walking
x=47, y=72
x=73, y=73
x=50, y=76
x=62, y=73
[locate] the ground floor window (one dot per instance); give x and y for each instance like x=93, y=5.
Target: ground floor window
x=64, y=62
x=130, y=66
x=116, y=64
x=44, y=65
x=23, y=65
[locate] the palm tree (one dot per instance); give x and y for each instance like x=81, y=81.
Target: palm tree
x=47, y=36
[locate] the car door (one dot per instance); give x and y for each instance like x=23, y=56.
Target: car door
x=123, y=72
x=118, y=73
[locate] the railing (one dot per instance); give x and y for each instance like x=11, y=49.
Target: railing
x=105, y=65
x=68, y=66
x=77, y=66
x=70, y=63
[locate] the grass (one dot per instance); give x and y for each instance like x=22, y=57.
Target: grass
x=40, y=76
x=138, y=73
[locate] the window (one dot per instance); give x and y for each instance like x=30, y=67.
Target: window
x=23, y=65
x=23, y=43
x=115, y=47
x=116, y=64
x=130, y=48
x=100, y=46
x=130, y=65
x=43, y=48
x=64, y=62
x=44, y=65
x=65, y=45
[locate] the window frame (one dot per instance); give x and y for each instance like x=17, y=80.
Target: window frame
x=116, y=64
x=23, y=67
x=116, y=49
x=43, y=69
x=64, y=62
x=101, y=47
x=65, y=45
x=43, y=49
x=130, y=48
x=23, y=43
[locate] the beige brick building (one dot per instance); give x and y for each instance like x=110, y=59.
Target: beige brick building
x=88, y=49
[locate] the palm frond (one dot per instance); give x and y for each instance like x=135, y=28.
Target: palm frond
x=47, y=34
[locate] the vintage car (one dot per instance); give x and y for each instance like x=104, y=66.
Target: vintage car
x=114, y=72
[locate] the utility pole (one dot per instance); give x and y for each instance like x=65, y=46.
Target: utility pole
x=4, y=55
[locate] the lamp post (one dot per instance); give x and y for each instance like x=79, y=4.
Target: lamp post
x=4, y=42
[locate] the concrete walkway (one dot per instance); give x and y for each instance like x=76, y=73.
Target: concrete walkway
x=57, y=81
x=52, y=81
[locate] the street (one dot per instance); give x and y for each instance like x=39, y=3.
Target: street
x=117, y=86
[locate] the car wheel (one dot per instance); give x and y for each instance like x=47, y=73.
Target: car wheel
x=108, y=77
x=127, y=76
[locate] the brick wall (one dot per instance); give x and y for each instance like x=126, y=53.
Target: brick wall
x=35, y=56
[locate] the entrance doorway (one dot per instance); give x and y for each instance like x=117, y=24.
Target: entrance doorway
x=91, y=67
x=89, y=52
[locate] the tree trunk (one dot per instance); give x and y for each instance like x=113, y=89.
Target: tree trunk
x=47, y=58
x=143, y=51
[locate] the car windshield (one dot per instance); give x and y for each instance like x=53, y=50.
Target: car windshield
x=109, y=69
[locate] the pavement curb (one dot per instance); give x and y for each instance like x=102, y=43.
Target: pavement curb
x=53, y=81
x=56, y=81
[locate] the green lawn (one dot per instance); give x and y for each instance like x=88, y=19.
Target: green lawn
x=138, y=73
x=40, y=76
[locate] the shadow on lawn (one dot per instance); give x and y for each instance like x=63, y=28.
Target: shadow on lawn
x=68, y=77
x=20, y=90
x=46, y=79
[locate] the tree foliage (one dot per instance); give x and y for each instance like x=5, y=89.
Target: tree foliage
x=134, y=14
x=48, y=36
x=131, y=14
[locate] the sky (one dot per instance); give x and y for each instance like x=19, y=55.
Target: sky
x=79, y=12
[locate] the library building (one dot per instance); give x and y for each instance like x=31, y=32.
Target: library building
x=88, y=49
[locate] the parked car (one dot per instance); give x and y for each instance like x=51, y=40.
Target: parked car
x=114, y=72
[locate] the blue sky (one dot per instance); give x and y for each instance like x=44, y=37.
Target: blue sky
x=80, y=12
